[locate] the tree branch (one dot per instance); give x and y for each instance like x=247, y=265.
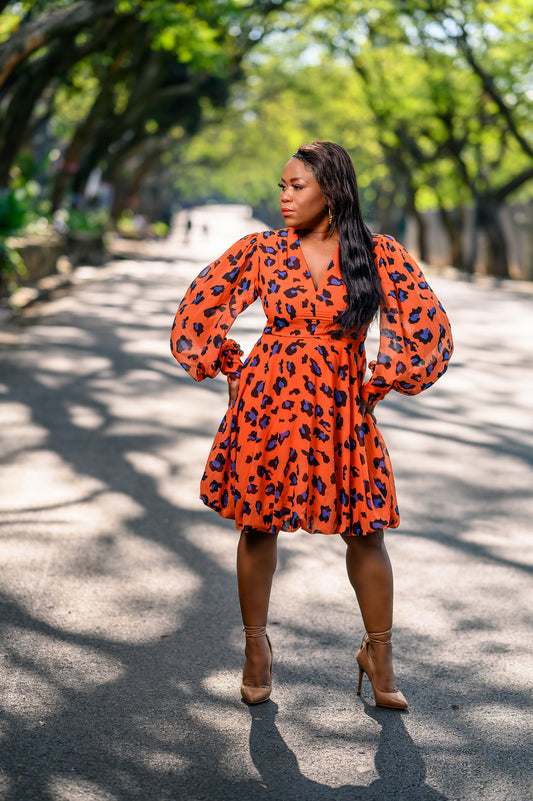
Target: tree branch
x=49, y=25
x=29, y=83
x=490, y=88
x=514, y=184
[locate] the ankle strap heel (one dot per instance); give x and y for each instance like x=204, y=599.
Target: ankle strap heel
x=254, y=631
x=391, y=698
x=256, y=691
x=372, y=637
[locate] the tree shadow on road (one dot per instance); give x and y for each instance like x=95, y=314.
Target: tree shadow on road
x=402, y=772
x=90, y=715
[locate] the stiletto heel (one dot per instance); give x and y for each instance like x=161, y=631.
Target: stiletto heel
x=256, y=694
x=389, y=698
x=360, y=680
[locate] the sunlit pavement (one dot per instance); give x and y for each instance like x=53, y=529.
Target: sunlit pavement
x=121, y=642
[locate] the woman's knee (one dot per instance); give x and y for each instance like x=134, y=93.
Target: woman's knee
x=260, y=537
x=374, y=541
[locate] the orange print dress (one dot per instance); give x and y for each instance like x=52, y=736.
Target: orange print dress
x=296, y=450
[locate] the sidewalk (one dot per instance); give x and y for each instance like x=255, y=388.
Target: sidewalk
x=121, y=640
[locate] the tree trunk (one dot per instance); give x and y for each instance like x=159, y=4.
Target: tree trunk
x=128, y=126
x=489, y=222
x=453, y=222
x=421, y=232
x=28, y=88
x=101, y=109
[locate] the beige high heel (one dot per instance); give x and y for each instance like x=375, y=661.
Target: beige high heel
x=256, y=694
x=393, y=699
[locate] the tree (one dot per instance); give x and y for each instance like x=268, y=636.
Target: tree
x=239, y=153
x=148, y=69
x=449, y=86
x=56, y=22
x=432, y=98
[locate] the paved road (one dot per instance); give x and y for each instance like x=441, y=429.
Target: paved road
x=121, y=642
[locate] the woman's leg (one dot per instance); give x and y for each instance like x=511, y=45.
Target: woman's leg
x=370, y=574
x=256, y=564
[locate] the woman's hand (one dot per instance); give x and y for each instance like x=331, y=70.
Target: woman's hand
x=233, y=389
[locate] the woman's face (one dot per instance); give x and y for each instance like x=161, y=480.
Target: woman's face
x=301, y=200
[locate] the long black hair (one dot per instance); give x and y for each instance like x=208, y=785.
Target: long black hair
x=334, y=172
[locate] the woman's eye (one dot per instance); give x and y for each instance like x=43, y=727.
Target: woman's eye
x=281, y=186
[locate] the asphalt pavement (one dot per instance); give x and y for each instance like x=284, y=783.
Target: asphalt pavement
x=121, y=643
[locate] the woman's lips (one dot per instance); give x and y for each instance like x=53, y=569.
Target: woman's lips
x=286, y=211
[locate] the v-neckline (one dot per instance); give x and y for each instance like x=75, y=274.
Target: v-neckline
x=307, y=271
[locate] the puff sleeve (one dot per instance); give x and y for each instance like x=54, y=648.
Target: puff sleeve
x=415, y=342
x=210, y=306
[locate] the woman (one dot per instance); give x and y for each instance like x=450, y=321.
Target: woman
x=298, y=446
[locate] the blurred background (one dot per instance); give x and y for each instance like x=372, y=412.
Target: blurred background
x=120, y=115
x=143, y=137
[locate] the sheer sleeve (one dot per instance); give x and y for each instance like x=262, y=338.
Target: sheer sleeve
x=415, y=342
x=210, y=306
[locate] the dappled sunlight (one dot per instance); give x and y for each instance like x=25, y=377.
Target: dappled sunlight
x=135, y=594
x=58, y=371
x=84, y=416
x=165, y=761
x=31, y=696
x=41, y=679
x=120, y=628
x=219, y=543
x=220, y=685
x=121, y=621
x=321, y=561
x=53, y=484
x=19, y=432
x=161, y=406
x=59, y=336
x=70, y=788
x=99, y=577
x=500, y=718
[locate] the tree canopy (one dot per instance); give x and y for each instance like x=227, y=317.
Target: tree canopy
x=107, y=79
x=204, y=100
